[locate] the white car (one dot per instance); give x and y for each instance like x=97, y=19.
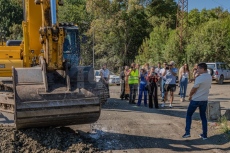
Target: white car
x=114, y=79
x=219, y=71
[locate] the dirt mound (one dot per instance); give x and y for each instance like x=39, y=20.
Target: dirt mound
x=45, y=140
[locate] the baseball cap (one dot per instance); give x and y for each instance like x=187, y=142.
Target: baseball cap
x=172, y=63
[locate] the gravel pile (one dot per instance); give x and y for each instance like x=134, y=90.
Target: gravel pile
x=40, y=140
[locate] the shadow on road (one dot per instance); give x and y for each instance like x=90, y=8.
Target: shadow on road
x=115, y=141
x=123, y=106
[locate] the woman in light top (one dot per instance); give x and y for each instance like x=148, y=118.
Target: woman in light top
x=184, y=77
x=195, y=73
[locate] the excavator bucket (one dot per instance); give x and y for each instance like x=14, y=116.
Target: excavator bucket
x=49, y=100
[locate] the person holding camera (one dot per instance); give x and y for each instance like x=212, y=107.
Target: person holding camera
x=104, y=72
x=152, y=87
x=133, y=80
x=170, y=83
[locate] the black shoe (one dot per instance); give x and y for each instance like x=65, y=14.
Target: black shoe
x=186, y=135
x=134, y=102
x=203, y=136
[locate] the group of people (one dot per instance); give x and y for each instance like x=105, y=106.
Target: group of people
x=147, y=79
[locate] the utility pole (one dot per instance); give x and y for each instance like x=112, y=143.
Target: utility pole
x=93, y=44
x=181, y=25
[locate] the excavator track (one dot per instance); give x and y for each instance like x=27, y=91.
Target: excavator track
x=6, y=95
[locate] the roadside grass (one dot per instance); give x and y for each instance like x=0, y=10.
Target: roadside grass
x=224, y=126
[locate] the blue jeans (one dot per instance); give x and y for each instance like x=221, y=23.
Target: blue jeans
x=141, y=90
x=162, y=89
x=183, y=87
x=191, y=109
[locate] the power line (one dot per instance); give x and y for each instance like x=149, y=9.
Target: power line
x=220, y=4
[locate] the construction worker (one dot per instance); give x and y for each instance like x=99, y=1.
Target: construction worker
x=133, y=82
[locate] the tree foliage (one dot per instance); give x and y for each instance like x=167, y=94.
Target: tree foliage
x=11, y=14
x=122, y=31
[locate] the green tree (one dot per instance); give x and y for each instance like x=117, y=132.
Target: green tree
x=11, y=13
x=210, y=42
x=162, y=11
x=119, y=28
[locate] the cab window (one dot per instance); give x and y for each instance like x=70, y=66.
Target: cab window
x=223, y=67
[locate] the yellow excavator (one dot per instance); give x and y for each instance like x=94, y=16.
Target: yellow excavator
x=41, y=81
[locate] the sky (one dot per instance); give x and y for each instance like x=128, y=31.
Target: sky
x=208, y=4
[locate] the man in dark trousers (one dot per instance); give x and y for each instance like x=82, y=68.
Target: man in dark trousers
x=152, y=88
x=122, y=77
x=199, y=98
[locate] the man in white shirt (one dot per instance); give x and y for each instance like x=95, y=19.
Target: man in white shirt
x=104, y=72
x=199, y=98
x=158, y=68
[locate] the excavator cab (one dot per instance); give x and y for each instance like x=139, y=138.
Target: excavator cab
x=71, y=45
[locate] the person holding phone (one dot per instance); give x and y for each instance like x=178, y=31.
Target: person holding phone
x=170, y=83
x=152, y=87
x=198, y=97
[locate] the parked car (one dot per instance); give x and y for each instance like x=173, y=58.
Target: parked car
x=114, y=79
x=219, y=71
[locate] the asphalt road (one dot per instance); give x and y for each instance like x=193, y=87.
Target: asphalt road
x=127, y=128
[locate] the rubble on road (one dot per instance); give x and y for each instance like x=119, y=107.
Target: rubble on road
x=52, y=140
